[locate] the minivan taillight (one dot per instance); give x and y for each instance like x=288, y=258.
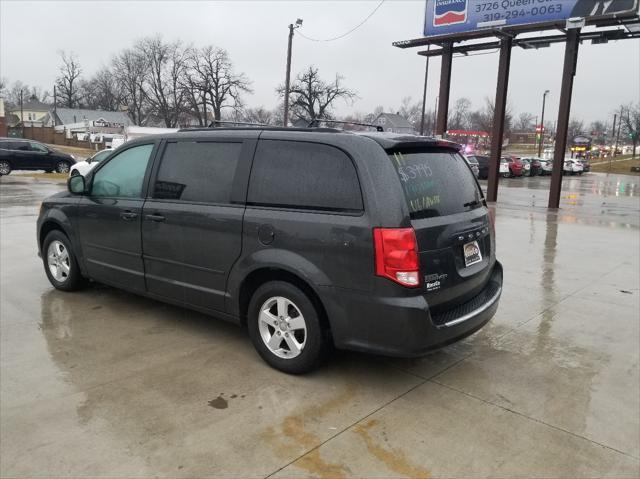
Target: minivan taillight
x=396, y=251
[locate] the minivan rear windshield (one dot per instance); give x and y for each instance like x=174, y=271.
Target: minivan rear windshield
x=437, y=182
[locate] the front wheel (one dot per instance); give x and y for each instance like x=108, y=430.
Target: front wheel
x=62, y=167
x=60, y=263
x=5, y=167
x=75, y=172
x=285, y=328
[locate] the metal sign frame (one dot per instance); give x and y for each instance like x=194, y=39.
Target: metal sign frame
x=571, y=34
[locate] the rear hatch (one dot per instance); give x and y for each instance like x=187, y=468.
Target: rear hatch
x=448, y=213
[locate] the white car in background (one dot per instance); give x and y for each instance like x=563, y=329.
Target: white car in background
x=547, y=167
x=572, y=167
x=84, y=167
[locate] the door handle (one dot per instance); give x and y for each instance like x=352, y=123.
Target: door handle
x=156, y=218
x=128, y=215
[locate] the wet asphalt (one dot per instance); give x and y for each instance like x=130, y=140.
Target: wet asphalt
x=102, y=383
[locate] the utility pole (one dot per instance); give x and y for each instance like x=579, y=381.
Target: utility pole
x=424, y=93
x=287, y=82
x=55, y=106
x=21, y=113
x=615, y=149
x=544, y=100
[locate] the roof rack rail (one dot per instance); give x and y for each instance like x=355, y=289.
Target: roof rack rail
x=317, y=121
x=237, y=123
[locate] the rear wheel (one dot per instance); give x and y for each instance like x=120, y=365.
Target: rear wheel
x=5, y=167
x=62, y=167
x=285, y=328
x=60, y=263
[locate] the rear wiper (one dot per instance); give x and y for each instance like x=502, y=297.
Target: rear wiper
x=471, y=203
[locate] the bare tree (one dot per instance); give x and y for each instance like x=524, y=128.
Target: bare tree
x=312, y=98
x=410, y=111
x=167, y=66
x=68, y=83
x=575, y=128
x=482, y=119
x=130, y=71
x=258, y=115
x=631, y=125
x=33, y=93
x=101, y=92
x=459, y=115
x=220, y=85
x=194, y=89
x=525, y=120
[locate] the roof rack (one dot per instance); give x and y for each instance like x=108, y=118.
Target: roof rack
x=238, y=123
x=260, y=128
x=317, y=121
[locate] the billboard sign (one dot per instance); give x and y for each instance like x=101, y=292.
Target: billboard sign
x=450, y=17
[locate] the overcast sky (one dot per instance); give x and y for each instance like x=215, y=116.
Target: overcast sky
x=255, y=34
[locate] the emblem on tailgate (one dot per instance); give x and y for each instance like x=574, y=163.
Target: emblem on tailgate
x=432, y=282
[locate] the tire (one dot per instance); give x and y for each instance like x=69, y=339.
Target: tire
x=269, y=308
x=62, y=167
x=75, y=172
x=60, y=263
x=5, y=167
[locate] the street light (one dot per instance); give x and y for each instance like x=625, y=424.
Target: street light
x=544, y=100
x=287, y=81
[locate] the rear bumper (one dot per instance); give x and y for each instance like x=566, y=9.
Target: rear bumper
x=404, y=326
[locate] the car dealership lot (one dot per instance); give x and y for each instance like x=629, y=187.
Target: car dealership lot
x=104, y=383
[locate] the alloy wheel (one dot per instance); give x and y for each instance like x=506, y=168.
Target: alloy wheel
x=58, y=261
x=62, y=167
x=282, y=327
x=5, y=168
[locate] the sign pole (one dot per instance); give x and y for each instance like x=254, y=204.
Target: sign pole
x=445, y=88
x=568, y=73
x=424, y=93
x=500, y=108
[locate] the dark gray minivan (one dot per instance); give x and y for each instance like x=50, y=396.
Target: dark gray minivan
x=310, y=238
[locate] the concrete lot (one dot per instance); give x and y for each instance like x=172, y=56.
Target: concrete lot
x=102, y=383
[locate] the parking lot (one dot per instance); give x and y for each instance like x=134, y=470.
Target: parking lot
x=102, y=383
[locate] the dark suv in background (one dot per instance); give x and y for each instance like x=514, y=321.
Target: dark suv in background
x=311, y=238
x=19, y=154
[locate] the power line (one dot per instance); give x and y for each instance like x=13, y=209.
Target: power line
x=347, y=33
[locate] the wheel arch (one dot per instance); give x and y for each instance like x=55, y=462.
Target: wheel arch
x=49, y=225
x=260, y=276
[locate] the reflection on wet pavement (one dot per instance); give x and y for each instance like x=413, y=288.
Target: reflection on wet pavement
x=103, y=383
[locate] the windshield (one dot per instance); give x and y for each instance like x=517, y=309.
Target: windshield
x=436, y=183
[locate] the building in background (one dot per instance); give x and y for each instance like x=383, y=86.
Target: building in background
x=34, y=113
x=3, y=119
x=394, y=123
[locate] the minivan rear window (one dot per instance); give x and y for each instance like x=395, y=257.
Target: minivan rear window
x=437, y=182
x=302, y=175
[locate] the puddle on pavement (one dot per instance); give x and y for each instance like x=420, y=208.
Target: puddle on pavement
x=219, y=403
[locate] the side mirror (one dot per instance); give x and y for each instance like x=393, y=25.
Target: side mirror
x=76, y=185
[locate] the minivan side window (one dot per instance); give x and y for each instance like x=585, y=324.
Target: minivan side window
x=122, y=176
x=303, y=175
x=198, y=172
